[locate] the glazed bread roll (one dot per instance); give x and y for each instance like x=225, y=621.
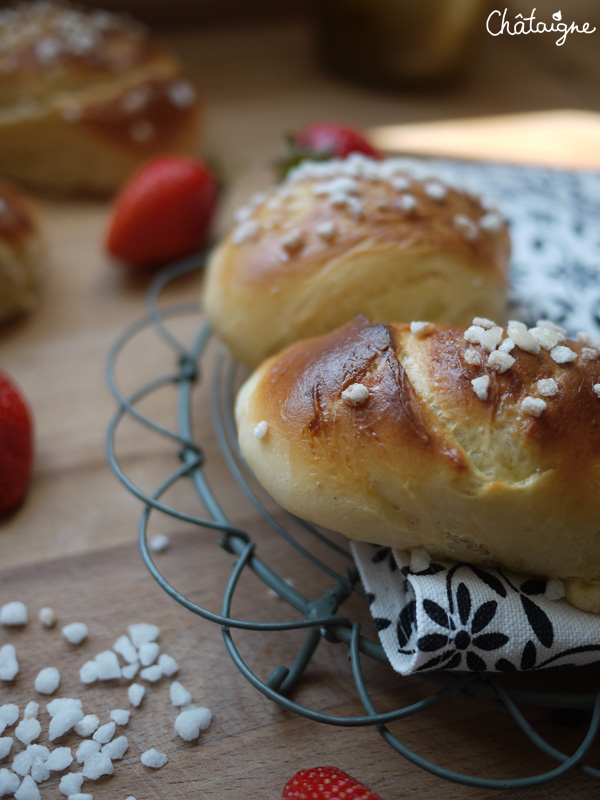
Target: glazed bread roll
x=480, y=445
x=348, y=237
x=85, y=97
x=21, y=253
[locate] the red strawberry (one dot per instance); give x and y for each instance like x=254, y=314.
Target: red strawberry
x=326, y=783
x=322, y=140
x=163, y=212
x=16, y=444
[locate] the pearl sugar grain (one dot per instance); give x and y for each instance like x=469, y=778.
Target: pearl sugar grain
x=179, y=694
x=14, y=613
x=75, y=632
x=191, y=721
x=152, y=758
x=9, y=666
x=47, y=680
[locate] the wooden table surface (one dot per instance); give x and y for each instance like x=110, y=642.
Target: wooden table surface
x=73, y=543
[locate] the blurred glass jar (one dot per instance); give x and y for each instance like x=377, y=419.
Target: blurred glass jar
x=398, y=42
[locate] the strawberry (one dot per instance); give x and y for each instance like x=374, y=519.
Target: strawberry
x=326, y=783
x=320, y=141
x=16, y=445
x=163, y=212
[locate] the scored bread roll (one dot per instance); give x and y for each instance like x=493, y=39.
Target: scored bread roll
x=21, y=253
x=475, y=445
x=348, y=237
x=85, y=97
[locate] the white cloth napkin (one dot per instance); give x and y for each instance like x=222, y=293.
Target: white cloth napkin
x=460, y=617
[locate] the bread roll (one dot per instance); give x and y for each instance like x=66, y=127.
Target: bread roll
x=353, y=236
x=21, y=253
x=85, y=97
x=465, y=442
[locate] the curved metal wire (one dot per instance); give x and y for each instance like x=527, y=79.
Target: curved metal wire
x=319, y=616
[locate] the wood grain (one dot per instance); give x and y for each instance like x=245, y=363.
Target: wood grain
x=72, y=544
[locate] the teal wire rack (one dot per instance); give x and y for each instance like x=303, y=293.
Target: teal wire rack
x=322, y=618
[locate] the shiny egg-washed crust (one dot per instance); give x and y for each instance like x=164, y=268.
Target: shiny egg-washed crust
x=423, y=462
x=387, y=264
x=85, y=98
x=21, y=253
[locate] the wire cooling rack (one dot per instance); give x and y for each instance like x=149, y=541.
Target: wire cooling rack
x=319, y=616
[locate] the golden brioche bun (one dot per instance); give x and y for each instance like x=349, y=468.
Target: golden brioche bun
x=504, y=471
x=86, y=97
x=21, y=251
x=353, y=236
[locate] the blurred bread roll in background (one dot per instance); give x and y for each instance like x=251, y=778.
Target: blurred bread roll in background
x=21, y=253
x=352, y=236
x=86, y=96
x=479, y=445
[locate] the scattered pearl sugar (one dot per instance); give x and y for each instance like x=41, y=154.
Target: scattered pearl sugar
x=47, y=680
x=555, y=589
x=589, y=354
x=500, y=361
x=59, y=759
x=406, y=202
x=116, y=748
x=260, y=429
x=159, y=543
x=9, y=782
x=9, y=714
x=420, y=328
x=473, y=334
x=471, y=356
x=355, y=395
x=75, y=632
x=167, y=664
x=292, y=241
x=129, y=671
x=326, y=230
x=466, y=227
x=246, y=231
x=480, y=386
x=28, y=730
x=491, y=338
x=148, y=653
x=596, y=389
x=419, y=560
x=87, y=725
x=152, y=758
x=484, y=322
x=63, y=704
x=191, y=721
x=14, y=613
x=22, y=762
x=435, y=190
x=9, y=666
x=28, y=790
x=88, y=673
x=120, y=716
x=96, y=765
x=562, y=355
x=179, y=694
x=64, y=721
x=143, y=632
x=533, y=406
x=70, y=783
x=547, y=387
x=31, y=710
x=507, y=345
x=151, y=674
x=523, y=338
x=588, y=339
x=108, y=665
x=39, y=770
x=87, y=748
x=547, y=336
x=6, y=743
x=136, y=693
x=105, y=733
x=47, y=617
x=125, y=648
